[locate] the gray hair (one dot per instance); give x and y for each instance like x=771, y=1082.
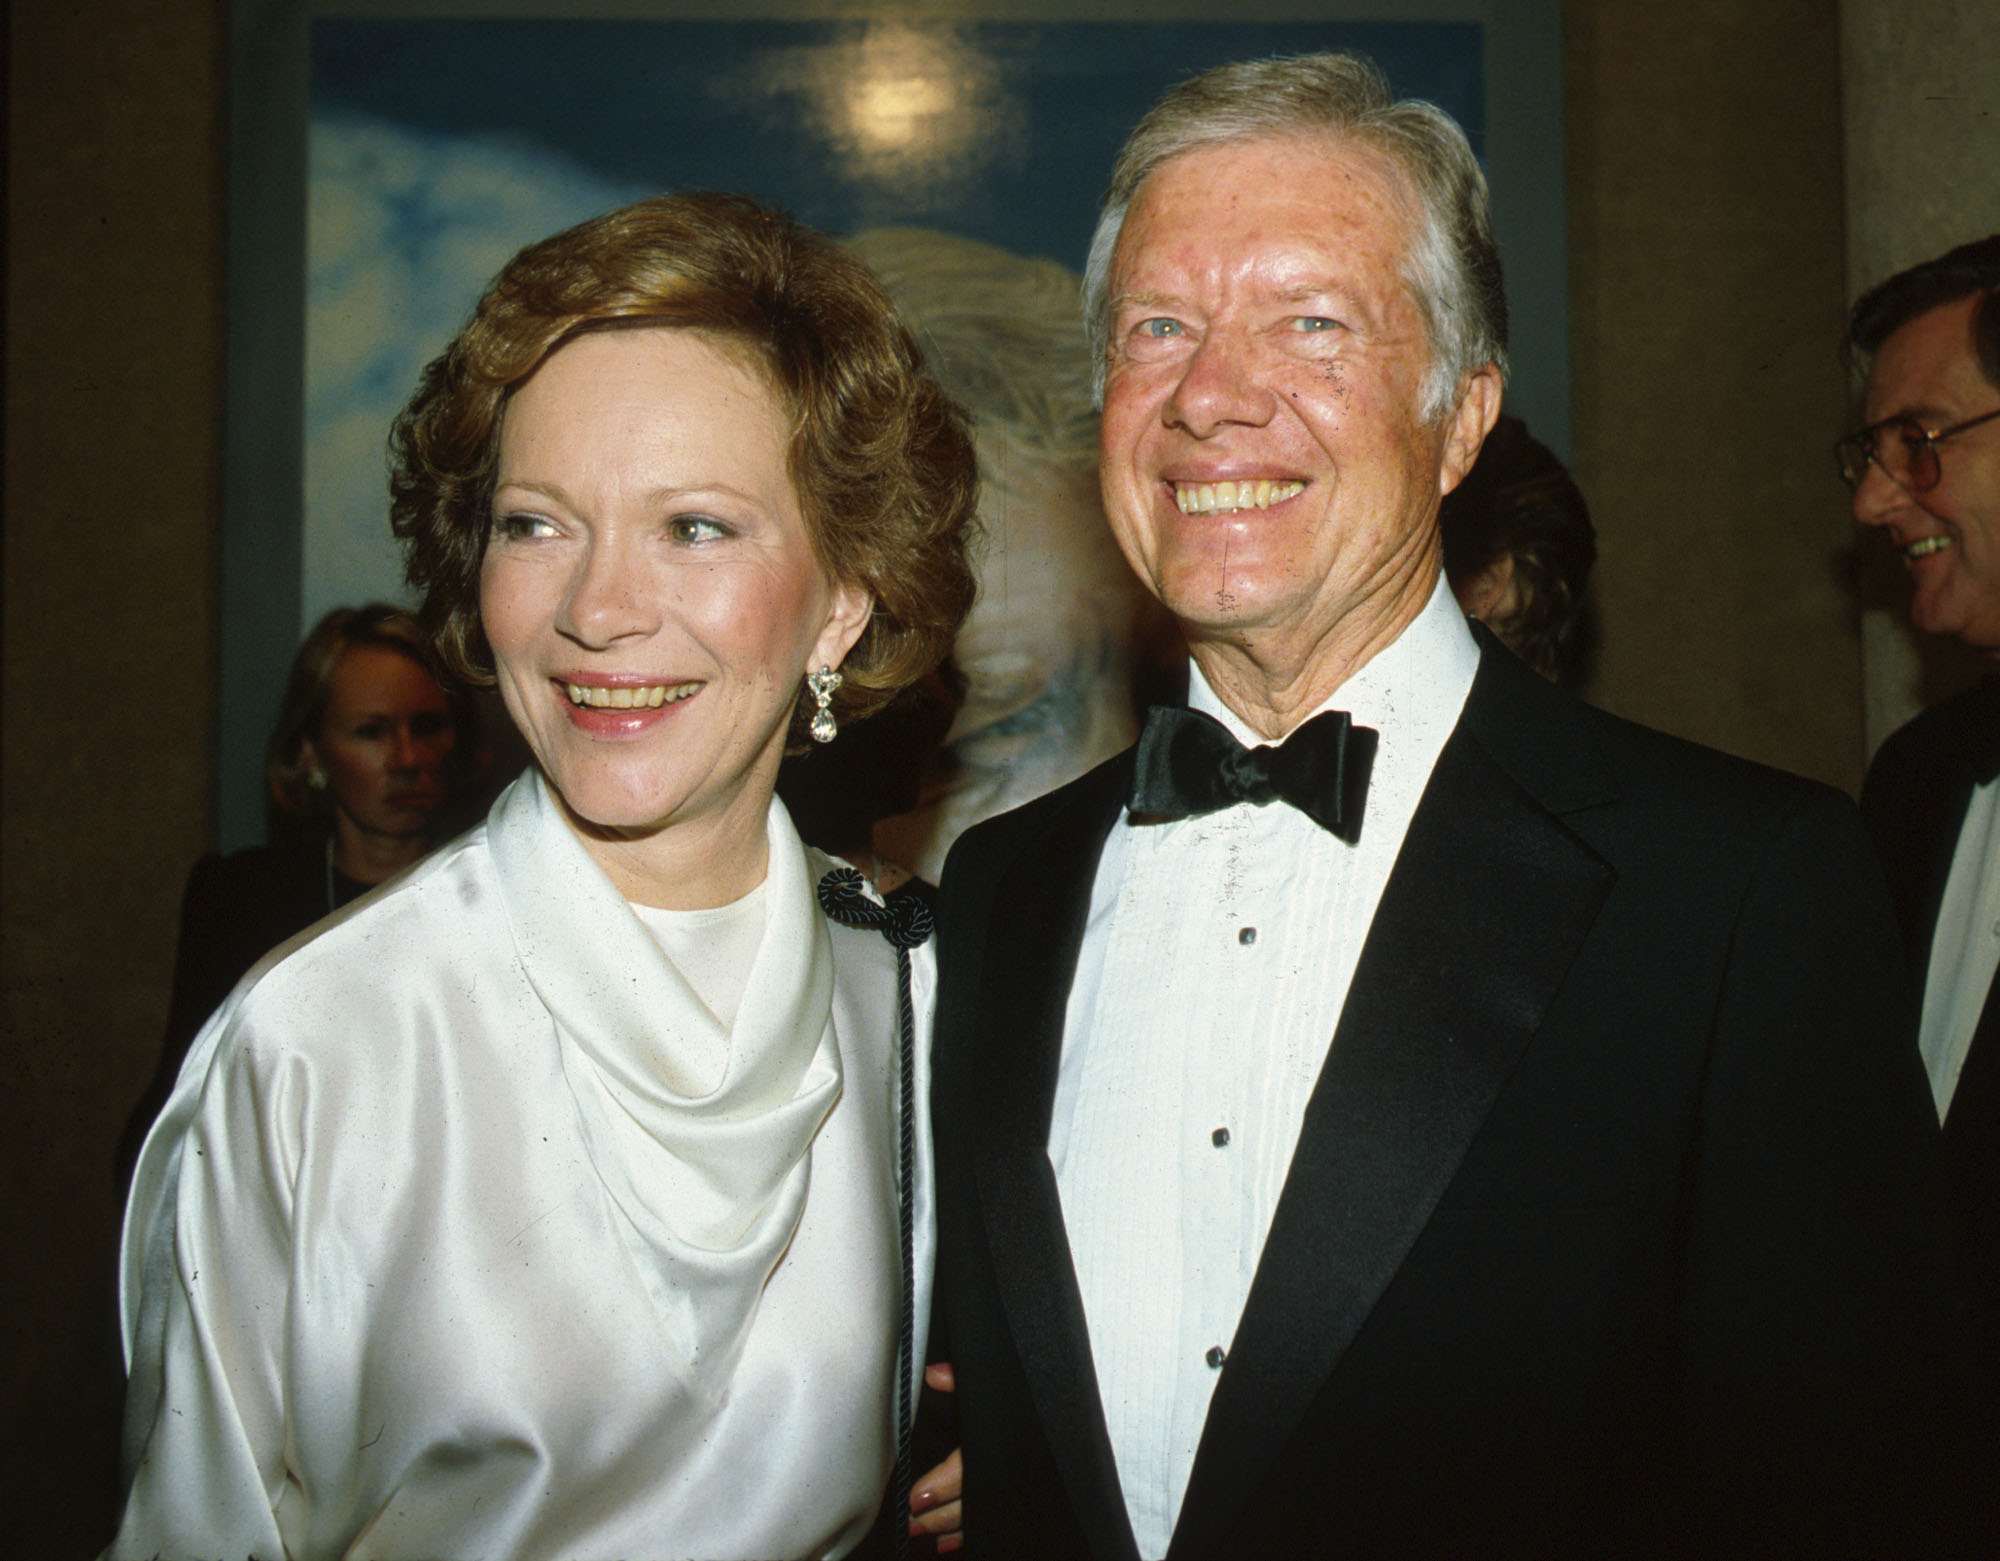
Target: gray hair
x=1452, y=269
x=999, y=330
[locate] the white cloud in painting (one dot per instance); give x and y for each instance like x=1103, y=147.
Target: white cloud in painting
x=403, y=230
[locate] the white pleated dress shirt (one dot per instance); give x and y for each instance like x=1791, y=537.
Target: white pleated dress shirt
x=1965, y=948
x=1217, y=956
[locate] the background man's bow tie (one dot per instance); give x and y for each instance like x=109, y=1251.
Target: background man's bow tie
x=1189, y=763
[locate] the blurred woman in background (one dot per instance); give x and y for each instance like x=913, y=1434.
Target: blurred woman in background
x=368, y=759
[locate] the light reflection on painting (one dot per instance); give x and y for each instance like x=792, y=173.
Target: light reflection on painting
x=906, y=106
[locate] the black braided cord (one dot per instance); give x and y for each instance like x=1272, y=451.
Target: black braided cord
x=906, y=922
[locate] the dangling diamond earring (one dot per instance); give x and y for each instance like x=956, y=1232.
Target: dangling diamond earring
x=823, y=683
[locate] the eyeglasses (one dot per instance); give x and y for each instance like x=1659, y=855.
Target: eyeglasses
x=1904, y=449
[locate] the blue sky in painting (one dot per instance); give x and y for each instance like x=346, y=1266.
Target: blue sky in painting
x=438, y=148
x=1025, y=127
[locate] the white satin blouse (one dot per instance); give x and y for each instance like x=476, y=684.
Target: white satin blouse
x=469, y=1232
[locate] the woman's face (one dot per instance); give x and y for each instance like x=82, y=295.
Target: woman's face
x=383, y=743
x=649, y=589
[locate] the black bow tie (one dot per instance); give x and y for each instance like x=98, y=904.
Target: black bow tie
x=1189, y=763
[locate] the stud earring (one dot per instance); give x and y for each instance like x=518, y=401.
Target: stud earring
x=823, y=683
x=316, y=778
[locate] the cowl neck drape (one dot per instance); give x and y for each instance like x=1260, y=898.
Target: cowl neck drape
x=701, y=1135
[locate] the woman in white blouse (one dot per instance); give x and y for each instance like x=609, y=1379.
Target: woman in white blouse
x=547, y=1204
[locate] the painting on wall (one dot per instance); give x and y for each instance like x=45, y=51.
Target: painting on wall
x=439, y=147
x=435, y=146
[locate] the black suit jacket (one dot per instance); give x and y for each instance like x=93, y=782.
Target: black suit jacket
x=1614, y=1224
x=1914, y=803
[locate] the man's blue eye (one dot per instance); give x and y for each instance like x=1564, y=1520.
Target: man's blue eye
x=1315, y=323
x=1160, y=327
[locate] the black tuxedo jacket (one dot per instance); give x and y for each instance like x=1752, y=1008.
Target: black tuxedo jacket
x=1614, y=1227
x=1914, y=803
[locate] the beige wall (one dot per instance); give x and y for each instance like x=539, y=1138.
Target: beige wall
x=113, y=220
x=1921, y=83
x=1707, y=268
x=1709, y=283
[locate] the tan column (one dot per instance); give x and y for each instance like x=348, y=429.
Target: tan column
x=114, y=214
x=1707, y=255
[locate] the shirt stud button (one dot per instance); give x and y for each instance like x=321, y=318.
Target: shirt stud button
x=1220, y=1137
x=1246, y=936
x=1216, y=1356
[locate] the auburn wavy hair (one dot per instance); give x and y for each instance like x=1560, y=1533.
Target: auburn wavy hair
x=881, y=459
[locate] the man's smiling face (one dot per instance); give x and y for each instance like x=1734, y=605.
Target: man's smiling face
x=1266, y=469
x=1949, y=535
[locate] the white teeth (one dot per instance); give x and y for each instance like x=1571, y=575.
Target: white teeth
x=1926, y=547
x=649, y=696
x=1225, y=498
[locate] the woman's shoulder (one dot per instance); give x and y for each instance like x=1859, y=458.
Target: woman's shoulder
x=424, y=929
x=410, y=994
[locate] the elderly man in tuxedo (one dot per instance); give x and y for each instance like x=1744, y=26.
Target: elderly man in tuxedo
x=1396, y=1109
x=1925, y=471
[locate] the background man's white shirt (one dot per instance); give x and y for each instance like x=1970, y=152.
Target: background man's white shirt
x=1965, y=948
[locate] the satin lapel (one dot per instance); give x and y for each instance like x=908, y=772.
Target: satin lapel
x=1038, y=915
x=1489, y=901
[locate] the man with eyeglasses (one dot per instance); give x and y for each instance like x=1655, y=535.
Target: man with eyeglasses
x=1925, y=471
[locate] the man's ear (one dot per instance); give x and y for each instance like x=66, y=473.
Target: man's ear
x=1478, y=407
